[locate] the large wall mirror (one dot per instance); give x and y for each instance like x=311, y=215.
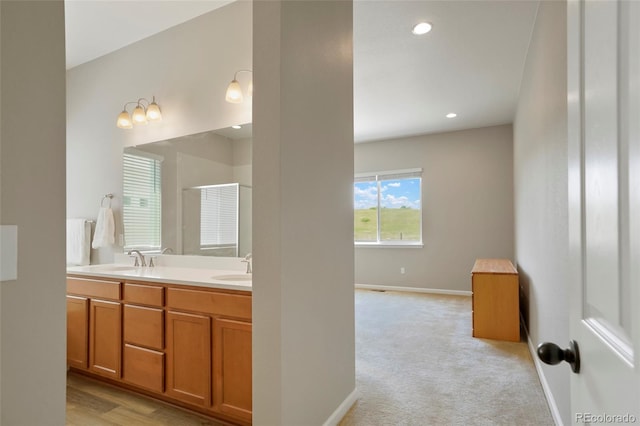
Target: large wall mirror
x=190, y=195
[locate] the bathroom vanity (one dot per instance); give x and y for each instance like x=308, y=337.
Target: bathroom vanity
x=182, y=335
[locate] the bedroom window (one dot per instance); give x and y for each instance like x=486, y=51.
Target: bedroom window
x=388, y=208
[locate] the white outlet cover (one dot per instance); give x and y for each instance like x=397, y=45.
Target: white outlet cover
x=8, y=252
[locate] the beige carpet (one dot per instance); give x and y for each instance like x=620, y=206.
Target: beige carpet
x=417, y=364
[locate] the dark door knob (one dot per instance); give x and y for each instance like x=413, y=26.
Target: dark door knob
x=552, y=354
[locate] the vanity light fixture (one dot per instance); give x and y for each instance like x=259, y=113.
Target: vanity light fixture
x=141, y=114
x=234, y=91
x=451, y=115
x=422, y=28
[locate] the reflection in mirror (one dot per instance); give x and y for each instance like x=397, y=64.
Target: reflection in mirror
x=216, y=220
x=173, y=168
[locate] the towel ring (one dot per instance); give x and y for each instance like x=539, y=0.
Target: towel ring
x=108, y=197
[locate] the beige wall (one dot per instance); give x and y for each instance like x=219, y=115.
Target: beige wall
x=32, y=144
x=467, y=206
x=187, y=68
x=242, y=161
x=303, y=304
x=541, y=202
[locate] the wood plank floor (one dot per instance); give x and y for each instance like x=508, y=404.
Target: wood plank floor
x=90, y=403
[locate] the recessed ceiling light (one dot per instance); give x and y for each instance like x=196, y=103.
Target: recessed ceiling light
x=421, y=28
x=451, y=115
x=236, y=127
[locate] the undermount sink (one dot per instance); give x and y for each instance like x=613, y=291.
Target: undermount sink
x=114, y=268
x=234, y=277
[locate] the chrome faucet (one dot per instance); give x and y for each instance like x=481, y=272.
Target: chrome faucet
x=137, y=255
x=167, y=250
x=247, y=260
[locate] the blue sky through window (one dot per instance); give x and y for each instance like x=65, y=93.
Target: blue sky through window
x=395, y=193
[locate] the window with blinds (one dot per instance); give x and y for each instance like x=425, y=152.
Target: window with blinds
x=388, y=207
x=219, y=216
x=141, y=202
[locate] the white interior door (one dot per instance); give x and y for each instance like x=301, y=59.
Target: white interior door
x=604, y=208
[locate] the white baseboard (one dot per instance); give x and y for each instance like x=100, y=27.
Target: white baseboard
x=551, y=402
x=412, y=289
x=342, y=409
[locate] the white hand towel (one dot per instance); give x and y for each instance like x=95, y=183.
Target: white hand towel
x=78, y=242
x=104, y=235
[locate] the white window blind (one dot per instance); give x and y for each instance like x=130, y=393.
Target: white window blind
x=219, y=216
x=141, y=202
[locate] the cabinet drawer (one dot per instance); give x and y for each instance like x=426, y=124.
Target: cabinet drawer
x=94, y=288
x=143, y=294
x=143, y=367
x=144, y=326
x=210, y=302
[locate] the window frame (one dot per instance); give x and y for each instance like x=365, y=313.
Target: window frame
x=211, y=228
x=157, y=182
x=378, y=177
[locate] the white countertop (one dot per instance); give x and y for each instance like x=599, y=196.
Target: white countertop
x=200, y=277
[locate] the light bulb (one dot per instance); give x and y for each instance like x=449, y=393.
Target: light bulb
x=139, y=116
x=234, y=92
x=124, y=121
x=421, y=28
x=153, y=112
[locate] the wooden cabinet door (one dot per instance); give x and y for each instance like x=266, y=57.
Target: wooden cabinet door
x=105, y=338
x=188, y=350
x=232, y=368
x=77, y=332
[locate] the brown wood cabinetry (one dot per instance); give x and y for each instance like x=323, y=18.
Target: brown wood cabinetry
x=232, y=367
x=189, y=346
x=496, y=310
x=144, y=326
x=223, y=304
x=94, y=289
x=189, y=357
x=105, y=340
x=142, y=294
x=143, y=367
x=78, y=331
x=143, y=357
x=94, y=326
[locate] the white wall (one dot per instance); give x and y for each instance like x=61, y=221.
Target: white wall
x=187, y=68
x=467, y=206
x=32, y=141
x=303, y=304
x=541, y=200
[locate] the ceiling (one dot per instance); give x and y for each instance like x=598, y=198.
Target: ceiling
x=471, y=63
x=97, y=27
